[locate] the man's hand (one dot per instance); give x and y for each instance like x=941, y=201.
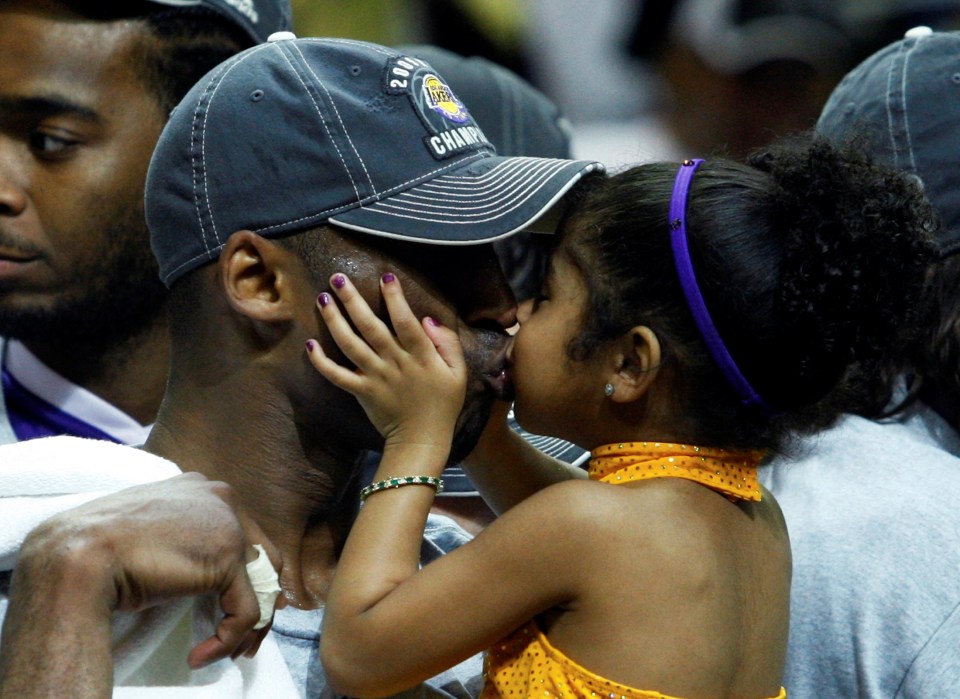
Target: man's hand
x=127, y=551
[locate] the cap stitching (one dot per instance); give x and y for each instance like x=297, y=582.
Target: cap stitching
x=329, y=213
x=903, y=99
x=506, y=167
x=346, y=133
x=185, y=263
x=889, y=108
x=491, y=193
x=200, y=113
x=453, y=214
x=353, y=42
x=323, y=123
x=904, y=51
x=216, y=82
x=427, y=176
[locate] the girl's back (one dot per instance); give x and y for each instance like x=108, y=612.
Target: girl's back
x=678, y=589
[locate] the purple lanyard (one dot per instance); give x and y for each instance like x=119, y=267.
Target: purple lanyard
x=31, y=417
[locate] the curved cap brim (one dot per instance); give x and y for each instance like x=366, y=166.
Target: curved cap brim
x=483, y=201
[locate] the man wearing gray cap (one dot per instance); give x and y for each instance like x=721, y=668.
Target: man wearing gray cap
x=85, y=88
x=286, y=164
x=872, y=506
x=518, y=120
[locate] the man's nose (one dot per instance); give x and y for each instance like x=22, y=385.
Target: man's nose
x=13, y=195
x=524, y=311
x=486, y=299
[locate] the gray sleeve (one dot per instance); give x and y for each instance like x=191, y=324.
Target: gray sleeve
x=935, y=672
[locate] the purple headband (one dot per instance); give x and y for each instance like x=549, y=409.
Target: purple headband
x=688, y=281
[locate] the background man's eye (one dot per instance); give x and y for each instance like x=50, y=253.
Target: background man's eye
x=50, y=144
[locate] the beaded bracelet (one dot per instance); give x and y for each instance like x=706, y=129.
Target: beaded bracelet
x=398, y=481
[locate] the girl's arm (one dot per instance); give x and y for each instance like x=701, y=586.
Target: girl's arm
x=507, y=469
x=389, y=625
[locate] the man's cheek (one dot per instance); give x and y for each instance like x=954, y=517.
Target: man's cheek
x=475, y=357
x=473, y=418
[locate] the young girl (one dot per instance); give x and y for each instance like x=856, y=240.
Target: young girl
x=693, y=317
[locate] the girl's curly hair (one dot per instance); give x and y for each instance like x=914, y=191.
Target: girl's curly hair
x=812, y=261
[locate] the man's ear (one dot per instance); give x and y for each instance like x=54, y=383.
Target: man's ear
x=256, y=276
x=636, y=364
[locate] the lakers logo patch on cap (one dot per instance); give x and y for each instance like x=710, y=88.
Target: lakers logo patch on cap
x=450, y=128
x=442, y=100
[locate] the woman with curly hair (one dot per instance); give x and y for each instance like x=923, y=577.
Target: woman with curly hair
x=694, y=318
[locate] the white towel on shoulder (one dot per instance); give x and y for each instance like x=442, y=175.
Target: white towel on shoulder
x=43, y=477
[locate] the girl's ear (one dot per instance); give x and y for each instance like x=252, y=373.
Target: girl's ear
x=256, y=277
x=637, y=364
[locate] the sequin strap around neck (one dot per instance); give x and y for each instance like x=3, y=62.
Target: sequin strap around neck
x=732, y=473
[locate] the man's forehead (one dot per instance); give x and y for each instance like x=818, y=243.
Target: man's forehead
x=52, y=51
x=79, y=69
x=73, y=10
x=441, y=269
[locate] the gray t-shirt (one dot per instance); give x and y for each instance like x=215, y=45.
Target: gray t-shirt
x=297, y=632
x=873, y=512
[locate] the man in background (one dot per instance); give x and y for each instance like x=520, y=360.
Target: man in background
x=871, y=504
x=85, y=89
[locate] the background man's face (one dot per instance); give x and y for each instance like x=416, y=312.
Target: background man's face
x=77, y=127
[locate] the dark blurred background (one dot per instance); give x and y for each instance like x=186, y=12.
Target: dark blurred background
x=657, y=79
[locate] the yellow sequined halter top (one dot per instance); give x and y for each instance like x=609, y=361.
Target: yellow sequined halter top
x=732, y=473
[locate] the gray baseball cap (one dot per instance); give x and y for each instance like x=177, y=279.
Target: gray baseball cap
x=299, y=132
x=257, y=18
x=903, y=105
x=735, y=36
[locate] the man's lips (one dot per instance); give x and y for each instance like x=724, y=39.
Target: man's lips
x=15, y=258
x=500, y=383
x=498, y=378
x=15, y=265
x=10, y=251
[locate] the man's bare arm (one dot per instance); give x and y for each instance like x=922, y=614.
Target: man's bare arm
x=126, y=551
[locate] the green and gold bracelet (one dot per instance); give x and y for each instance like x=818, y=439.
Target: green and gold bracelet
x=399, y=481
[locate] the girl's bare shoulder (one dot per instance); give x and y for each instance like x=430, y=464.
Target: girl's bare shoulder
x=586, y=512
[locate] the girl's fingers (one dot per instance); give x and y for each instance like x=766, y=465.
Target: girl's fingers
x=337, y=374
x=405, y=323
x=373, y=331
x=369, y=344
x=353, y=347
x=446, y=342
